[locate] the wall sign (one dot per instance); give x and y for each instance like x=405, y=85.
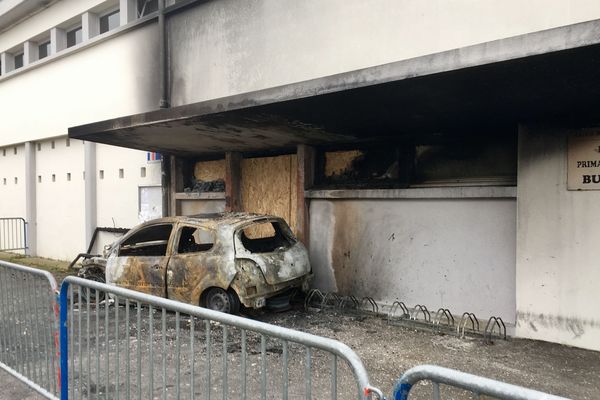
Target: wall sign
x=583, y=169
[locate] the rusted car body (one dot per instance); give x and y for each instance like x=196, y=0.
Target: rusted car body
x=214, y=260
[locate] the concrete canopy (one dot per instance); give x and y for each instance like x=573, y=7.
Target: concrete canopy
x=489, y=87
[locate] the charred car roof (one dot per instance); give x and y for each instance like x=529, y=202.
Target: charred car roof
x=215, y=220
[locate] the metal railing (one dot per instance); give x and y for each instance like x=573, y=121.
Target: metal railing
x=119, y=343
x=477, y=385
x=29, y=327
x=13, y=234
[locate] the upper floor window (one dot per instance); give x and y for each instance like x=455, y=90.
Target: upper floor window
x=74, y=36
x=44, y=50
x=146, y=7
x=109, y=21
x=18, y=60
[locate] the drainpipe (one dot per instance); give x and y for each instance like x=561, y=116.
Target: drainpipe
x=162, y=54
x=165, y=166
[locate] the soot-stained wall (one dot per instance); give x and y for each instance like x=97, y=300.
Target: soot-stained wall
x=457, y=253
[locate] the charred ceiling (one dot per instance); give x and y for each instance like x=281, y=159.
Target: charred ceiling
x=361, y=106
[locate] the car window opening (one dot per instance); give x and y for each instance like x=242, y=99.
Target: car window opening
x=195, y=240
x=264, y=237
x=151, y=242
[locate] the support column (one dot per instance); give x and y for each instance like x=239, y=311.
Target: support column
x=127, y=11
x=90, y=25
x=91, y=199
x=304, y=181
x=30, y=52
x=8, y=63
x=58, y=40
x=165, y=183
x=176, y=185
x=30, y=198
x=233, y=176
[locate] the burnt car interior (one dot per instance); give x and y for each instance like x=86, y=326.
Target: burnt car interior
x=264, y=237
x=151, y=242
x=195, y=240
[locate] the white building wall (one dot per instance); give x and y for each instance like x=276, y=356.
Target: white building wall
x=43, y=21
x=118, y=198
x=228, y=47
x=457, y=253
x=114, y=78
x=92, y=81
x=60, y=214
x=12, y=181
x=558, y=233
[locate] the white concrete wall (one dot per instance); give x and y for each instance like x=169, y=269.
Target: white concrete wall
x=453, y=253
x=12, y=195
x=228, y=47
x=60, y=214
x=111, y=79
x=558, y=234
x=89, y=83
x=118, y=198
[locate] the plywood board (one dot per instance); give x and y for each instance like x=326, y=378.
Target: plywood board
x=269, y=186
x=209, y=171
x=340, y=162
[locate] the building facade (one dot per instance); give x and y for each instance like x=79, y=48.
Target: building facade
x=425, y=151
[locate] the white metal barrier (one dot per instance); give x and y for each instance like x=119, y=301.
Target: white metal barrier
x=29, y=327
x=123, y=343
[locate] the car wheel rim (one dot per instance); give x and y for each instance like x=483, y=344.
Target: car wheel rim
x=219, y=301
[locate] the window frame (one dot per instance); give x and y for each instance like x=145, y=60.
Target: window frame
x=149, y=243
x=177, y=238
x=107, y=14
x=49, y=49
x=74, y=28
x=20, y=55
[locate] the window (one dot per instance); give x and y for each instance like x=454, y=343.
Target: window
x=146, y=7
x=195, y=240
x=4, y=180
x=68, y=176
x=74, y=36
x=143, y=172
x=16, y=180
x=101, y=173
x=53, y=177
x=18, y=61
x=109, y=21
x=68, y=142
x=52, y=145
x=150, y=241
x=265, y=237
x=39, y=147
x=121, y=173
x=44, y=50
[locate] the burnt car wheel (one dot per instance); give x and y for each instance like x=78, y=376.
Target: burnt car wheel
x=92, y=274
x=218, y=299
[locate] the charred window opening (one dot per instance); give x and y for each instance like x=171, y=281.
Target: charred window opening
x=195, y=240
x=425, y=160
x=151, y=242
x=264, y=237
x=381, y=166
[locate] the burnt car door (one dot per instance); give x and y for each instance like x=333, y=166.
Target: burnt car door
x=194, y=264
x=141, y=260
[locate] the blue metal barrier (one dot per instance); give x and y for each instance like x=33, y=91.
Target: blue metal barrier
x=476, y=384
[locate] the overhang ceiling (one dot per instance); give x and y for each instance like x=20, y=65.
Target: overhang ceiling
x=541, y=77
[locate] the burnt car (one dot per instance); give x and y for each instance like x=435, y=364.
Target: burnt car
x=218, y=261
